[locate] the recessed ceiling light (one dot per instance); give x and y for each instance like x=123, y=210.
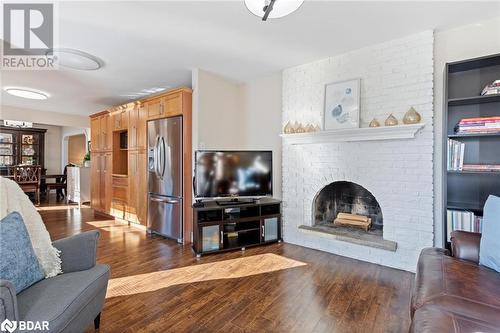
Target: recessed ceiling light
x=26, y=93
x=272, y=8
x=75, y=59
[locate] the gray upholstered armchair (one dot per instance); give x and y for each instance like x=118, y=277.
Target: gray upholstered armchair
x=69, y=301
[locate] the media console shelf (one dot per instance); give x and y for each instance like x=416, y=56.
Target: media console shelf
x=238, y=226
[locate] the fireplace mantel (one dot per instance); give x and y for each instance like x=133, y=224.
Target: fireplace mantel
x=355, y=134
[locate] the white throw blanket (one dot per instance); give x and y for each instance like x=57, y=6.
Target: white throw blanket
x=13, y=199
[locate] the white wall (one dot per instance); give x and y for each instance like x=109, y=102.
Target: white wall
x=66, y=132
x=262, y=105
x=462, y=43
x=43, y=117
x=234, y=115
x=220, y=112
x=395, y=75
x=52, y=147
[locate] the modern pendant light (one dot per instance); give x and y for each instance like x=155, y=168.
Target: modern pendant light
x=272, y=8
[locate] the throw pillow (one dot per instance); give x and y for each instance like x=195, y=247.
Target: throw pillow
x=489, y=251
x=13, y=199
x=19, y=264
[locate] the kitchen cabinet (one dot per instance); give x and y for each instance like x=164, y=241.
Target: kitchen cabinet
x=100, y=132
x=138, y=192
x=168, y=105
x=120, y=119
x=137, y=128
x=119, y=171
x=100, y=172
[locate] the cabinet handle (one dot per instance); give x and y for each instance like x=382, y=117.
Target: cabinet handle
x=222, y=238
x=263, y=232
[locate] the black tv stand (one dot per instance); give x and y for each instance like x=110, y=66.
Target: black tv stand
x=235, y=226
x=236, y=201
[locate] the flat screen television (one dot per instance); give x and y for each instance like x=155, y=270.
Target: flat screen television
x=233, y=174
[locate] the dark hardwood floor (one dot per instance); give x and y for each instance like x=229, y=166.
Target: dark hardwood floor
x=159, y=286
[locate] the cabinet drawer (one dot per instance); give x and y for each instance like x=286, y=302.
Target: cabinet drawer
x=120, y=181
x=120, y=194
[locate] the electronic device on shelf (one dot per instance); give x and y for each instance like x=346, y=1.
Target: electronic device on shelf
x=240, y=176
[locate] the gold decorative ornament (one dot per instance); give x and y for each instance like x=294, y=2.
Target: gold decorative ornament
x=412, y=116
x=300, y=129
x=288, y=129
x=310, y=128
x=374, y=123
x=391, y=121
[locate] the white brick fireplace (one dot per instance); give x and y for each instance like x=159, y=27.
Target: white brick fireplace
x=394, y=76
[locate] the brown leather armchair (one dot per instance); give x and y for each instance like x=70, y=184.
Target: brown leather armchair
x=453, y=293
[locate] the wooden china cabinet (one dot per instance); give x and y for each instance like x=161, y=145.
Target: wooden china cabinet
x=21, y=146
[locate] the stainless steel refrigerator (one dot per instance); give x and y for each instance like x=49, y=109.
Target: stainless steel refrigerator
x=165, y=177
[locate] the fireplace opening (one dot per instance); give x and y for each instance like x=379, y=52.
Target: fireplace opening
x=351, y=200
x=355, y=204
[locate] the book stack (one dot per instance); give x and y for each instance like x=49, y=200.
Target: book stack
x=463, y=220
x=491, y=89
x=456, y=150
x=481, y=125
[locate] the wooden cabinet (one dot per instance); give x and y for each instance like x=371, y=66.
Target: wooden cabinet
x=95, y=133
x=120, y=120
x=137, y=128
x=168, y=105
x=100, y=132
x=100, y=190
x=137, y=201
x=21, y=146
x=172, y=104
x=119, y=171
x=106, y=137
x=154, y=108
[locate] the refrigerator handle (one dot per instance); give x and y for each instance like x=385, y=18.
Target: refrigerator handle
x=162, y=157
x=157, y=157
x=166, y=200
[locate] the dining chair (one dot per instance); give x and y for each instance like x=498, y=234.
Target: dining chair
x=28, y=177
x=60, y=185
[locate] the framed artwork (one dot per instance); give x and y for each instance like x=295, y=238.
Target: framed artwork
x=342, y=101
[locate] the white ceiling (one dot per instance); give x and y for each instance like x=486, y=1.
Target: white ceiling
x=147, y=45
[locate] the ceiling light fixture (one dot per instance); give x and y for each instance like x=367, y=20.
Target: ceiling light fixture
x=27, y=93
x=272, y=8
x=75, y=59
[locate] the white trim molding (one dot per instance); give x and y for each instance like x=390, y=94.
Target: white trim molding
x=355, y=134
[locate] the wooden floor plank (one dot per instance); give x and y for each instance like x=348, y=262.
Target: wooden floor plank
x=328, y=294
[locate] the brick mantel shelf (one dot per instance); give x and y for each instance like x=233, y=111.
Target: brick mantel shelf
x=355, y=134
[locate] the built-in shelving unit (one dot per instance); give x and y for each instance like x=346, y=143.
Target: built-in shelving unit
x=468, y=190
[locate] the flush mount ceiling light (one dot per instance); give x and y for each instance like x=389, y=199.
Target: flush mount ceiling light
x=75, y=59
x=26, y=93
x=272, y=8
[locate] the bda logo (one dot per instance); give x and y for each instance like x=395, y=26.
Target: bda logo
x=9, y=326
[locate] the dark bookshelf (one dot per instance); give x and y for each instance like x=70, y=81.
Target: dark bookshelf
x=464, y=80
x=474, y=100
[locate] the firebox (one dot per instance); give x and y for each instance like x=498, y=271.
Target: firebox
x=346, y=197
